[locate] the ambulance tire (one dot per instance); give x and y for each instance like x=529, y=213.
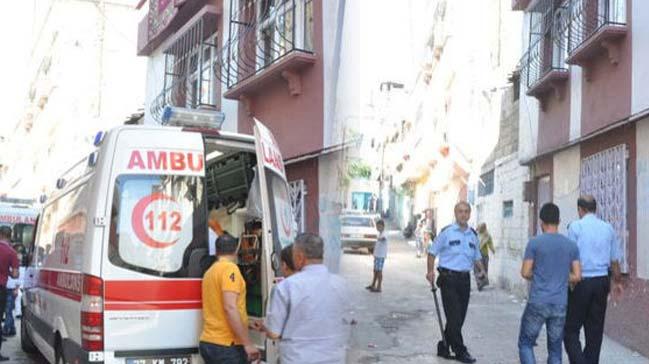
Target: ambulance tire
x=26, y=342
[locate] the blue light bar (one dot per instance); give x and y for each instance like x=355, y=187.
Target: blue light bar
x=193, y=118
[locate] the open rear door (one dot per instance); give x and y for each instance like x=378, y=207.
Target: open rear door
x=278, y=222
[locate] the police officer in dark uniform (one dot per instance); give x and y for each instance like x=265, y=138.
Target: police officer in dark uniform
x=458, y=249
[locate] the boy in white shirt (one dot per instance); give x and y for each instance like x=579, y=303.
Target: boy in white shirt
x=380, y=253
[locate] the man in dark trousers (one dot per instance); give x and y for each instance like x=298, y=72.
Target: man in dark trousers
x=8, y=267
x=458, y=249
x=600, y=254
x=551, y=261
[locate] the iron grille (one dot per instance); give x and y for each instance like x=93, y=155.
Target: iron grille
x=604, y=175
x=548, y=38
x=263, y=32
x=589, y=16
x=297, y=191
x=190, y=78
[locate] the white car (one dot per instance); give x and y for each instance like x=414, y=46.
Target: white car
x=358, y=231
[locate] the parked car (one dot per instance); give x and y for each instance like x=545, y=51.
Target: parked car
x=358, y=231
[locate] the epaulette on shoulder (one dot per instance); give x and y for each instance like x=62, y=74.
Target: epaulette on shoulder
x=474, y=232
x=445, y=227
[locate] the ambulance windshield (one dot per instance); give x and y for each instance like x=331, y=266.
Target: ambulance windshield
x=157, y=224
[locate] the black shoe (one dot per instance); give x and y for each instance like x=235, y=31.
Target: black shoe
x=4, y=358
x=443, y=351
x=465, y=358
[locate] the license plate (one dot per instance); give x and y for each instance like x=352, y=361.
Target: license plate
x=181, y=359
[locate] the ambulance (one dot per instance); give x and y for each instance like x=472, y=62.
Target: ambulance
x=115, y=269
x=21, y=218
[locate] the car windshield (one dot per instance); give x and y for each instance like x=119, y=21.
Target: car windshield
x=357, y=221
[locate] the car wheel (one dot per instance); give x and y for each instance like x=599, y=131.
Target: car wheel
x=26, y=342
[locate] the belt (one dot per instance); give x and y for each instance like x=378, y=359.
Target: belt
x=591, y=278
x=452, y=272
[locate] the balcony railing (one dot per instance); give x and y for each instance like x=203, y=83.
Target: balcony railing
x=262, y=32
x=191, y=69
x=594, y=23
x=543, y=66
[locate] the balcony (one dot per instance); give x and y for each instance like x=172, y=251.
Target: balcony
x=165, y=17
x=544, y=69
x=596, y=26
x=520, y=4
x=191, y=78
x=269, y=40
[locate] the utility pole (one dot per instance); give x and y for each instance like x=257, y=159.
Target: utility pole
x=388, y=86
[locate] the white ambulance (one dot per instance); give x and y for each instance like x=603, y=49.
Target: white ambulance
x=115, y=272
x=20, y=217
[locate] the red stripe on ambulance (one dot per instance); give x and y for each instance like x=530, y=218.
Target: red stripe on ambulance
x=153, y=295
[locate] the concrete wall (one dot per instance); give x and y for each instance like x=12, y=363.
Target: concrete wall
x=554, y=120
x=640, y=66
x=510, y=234
x=566, y=170
x=528, y=110
x=329, y=207
x=642, y=136
x=575, y=102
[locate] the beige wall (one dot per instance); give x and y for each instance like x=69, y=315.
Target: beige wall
x=566, y=167
x=642, y=153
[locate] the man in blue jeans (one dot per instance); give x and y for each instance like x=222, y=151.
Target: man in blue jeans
x=551, y=262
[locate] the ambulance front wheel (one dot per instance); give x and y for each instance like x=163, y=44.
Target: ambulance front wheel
x=26, y=342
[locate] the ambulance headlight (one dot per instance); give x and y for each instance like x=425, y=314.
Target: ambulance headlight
x=192, y=118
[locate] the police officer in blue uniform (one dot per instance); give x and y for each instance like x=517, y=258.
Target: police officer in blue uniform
x=600, y=257
x=458, y=249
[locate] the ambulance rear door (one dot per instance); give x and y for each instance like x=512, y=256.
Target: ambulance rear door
x=278, y=223
x=156, y=239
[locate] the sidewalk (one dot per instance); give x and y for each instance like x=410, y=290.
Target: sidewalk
x=400, y=326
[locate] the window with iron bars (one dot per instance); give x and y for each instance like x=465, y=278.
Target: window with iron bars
x=264, y=31
x=549, y=23
x=190, y=73
x=191, y=66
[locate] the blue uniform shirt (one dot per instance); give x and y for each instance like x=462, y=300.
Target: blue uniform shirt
x=598, y=245
x=457, y=250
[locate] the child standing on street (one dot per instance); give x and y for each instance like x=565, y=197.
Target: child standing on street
x=380, y=252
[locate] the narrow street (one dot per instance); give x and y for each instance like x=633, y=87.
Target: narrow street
x=399, y=324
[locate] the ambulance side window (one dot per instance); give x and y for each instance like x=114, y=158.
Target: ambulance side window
x=45, y=237
x=158, y=224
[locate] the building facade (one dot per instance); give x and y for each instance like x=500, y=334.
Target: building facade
x=81, y=78
x=454, y=109
x=499, y=200
x=278, y=61
x=584, y=106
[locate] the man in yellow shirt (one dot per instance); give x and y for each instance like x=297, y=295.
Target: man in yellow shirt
x=225, y=338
